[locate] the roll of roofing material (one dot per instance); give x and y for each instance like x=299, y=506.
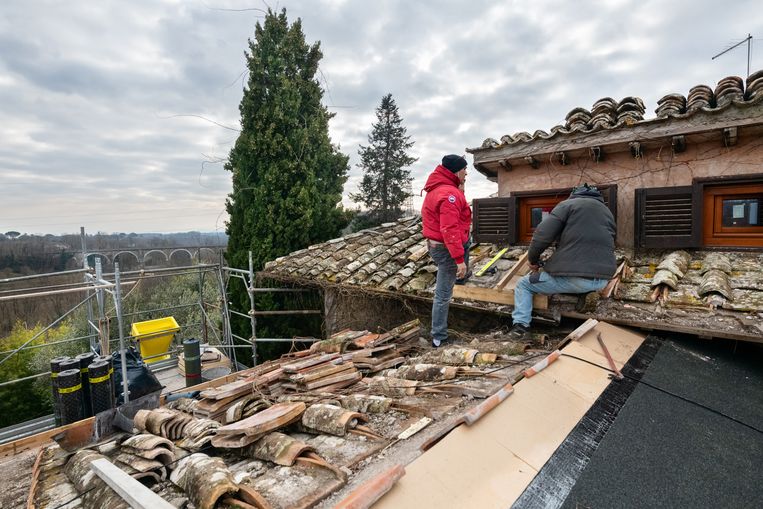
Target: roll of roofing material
x=70, y=392
x=55, y=369
x=110, y=360
x=192, y=356
x=101, y=395
x=85, y=359
x=69, y=363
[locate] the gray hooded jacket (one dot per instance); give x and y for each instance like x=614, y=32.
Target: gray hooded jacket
x=585, y=231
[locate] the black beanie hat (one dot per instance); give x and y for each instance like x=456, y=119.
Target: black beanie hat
x=454, y=163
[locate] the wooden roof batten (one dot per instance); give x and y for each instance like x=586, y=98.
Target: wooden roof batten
x=722, y=124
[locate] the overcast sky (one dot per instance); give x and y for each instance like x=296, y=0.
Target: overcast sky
x=97, y=99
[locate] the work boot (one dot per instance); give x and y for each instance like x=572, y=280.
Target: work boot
x=520, y=332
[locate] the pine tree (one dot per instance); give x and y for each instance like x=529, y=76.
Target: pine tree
x=384, y=188
x=287, y=175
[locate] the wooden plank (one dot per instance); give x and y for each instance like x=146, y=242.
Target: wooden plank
x=495, y=296
x=580, y=331
x=133, y=492
x=78, y=432
x=657, y=325
x=513, y=271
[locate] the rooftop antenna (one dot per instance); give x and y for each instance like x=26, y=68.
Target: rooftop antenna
x=747, y=40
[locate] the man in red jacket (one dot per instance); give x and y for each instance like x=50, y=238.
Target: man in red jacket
x=447, y=217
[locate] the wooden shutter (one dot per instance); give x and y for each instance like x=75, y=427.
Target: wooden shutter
x=494, y=220
x=666, y=217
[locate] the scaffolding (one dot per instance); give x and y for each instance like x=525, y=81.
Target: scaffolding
x=99, y=289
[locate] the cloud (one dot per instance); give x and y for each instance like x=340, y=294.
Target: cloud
x=97, y=122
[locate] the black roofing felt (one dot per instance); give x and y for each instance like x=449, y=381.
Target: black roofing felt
x=661, y=451
x=555, y=480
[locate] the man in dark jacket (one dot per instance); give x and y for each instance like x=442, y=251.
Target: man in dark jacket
x=446, y=219
x=583, y=262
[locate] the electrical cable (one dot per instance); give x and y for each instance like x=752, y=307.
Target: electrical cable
x=669, y=393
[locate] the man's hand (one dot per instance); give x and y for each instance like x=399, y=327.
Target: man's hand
x=533, y=268
x=460, y=270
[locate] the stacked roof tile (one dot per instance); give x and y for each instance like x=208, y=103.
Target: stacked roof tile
x=606, y=113
x=307, y=443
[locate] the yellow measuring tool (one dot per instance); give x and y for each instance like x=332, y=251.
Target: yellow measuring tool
x=492, y=261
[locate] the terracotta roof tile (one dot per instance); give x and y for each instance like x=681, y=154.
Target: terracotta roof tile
x=361, y=261
x=606, y=114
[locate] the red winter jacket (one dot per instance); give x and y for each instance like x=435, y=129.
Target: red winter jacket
x=446, y=214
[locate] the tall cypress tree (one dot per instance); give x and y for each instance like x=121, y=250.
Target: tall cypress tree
x=384, y=187
x=287, y=175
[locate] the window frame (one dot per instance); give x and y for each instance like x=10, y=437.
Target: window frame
x=714, y=234
x=525, y=200
x=525, y=205
x=704, y=215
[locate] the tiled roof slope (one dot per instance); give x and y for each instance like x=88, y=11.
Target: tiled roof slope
x=715, y=291
x=294, y=430
x=608, y=114
x=383, y=258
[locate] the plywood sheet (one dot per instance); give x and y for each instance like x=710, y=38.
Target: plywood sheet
x=584, y=380
x=490, y=463
x=621, y=342
x=539, y=416
x=432, y=481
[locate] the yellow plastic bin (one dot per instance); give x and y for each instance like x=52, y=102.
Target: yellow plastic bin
x=154, y=337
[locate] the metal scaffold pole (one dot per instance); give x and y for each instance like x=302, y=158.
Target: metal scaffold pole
x=252, y=317
x=83, y=240
x=103, y=334
x=225, y=314
x=204, y=333
x=118, y=306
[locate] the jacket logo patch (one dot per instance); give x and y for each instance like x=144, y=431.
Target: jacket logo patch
x=451, y=198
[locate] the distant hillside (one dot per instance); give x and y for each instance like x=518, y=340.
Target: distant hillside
x=38, y=254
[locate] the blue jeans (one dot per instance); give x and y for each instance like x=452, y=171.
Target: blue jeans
x=548, y=285
x=446, y=278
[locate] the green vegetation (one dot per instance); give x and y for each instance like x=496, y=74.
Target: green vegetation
x=31, y=398
x=287, y=175
x=384, y=188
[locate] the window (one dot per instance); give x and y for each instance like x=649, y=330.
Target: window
x=534, y=206
x=718, y=211
x=733, y=215
x=513, y=219
x=532, y=210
